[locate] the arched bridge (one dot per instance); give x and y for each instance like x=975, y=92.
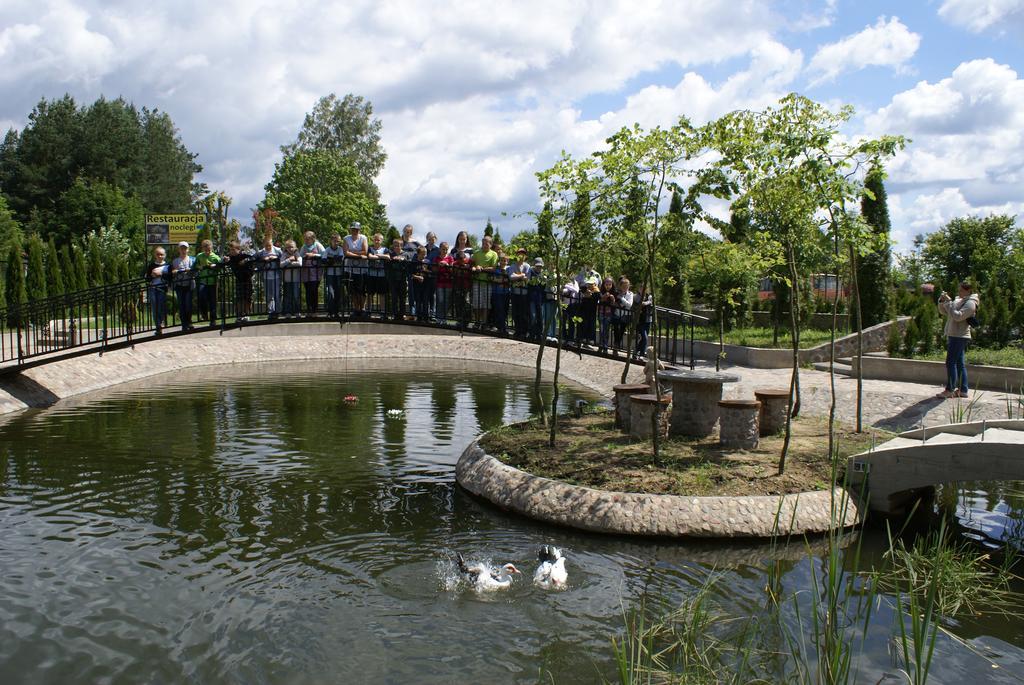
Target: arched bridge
x=124, y=314
x=895, y=472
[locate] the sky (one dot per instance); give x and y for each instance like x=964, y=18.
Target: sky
x=475, y=97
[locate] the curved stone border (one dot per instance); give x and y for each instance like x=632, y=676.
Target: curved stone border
x=294, y=342
x=632, y=513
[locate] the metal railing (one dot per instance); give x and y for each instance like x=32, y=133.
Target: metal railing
x=249, y=291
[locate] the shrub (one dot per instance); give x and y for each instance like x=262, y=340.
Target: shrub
x=895, y=341
x=911, y=339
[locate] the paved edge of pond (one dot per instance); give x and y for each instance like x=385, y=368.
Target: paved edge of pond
x=44, y=385
x=629, y=513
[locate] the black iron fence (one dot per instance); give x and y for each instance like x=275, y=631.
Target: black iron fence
x=251, y=291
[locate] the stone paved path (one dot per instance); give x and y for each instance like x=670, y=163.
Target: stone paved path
x=889, y=405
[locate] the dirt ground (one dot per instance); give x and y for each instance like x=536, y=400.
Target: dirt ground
x=589, y=451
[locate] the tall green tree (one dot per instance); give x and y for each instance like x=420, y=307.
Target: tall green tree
x=489, y=229
x=873, y=268
x=67, y=268
x=35, y=283
x=10, y=229
x=972, y=247
x=79, y=272
x=14, y=283
x=94, y=258
x=54, y=273
x=110, y=142
x=321, y=191
x=584, y=246
x=346, y=126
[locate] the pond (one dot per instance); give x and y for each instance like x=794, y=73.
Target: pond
x=246, y=524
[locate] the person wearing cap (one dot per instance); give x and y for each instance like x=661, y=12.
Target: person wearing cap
x=541, y=301
x=356, y=252
x=184, y=284
x=519, y=276
x=268, y=261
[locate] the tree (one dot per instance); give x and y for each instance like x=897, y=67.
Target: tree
x=345, y=126
x=873, y=268
x=723, y=272
x=10, y=229
x=320, y=191
x=67, y=268
x=54, y=274
x=89, y=205
x=79, y=271
x=972, y=247
x=14, y=284
x=94, y=258
x=35, y=284
x=584, y=246
x=489, y=229
x=391, y=235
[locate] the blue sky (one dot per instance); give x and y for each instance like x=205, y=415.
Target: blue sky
x=477, y=97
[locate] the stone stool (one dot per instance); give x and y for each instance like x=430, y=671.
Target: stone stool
x=738, y=423
x=695, y=400
x=622, y=403
x=640, y=415
x=774, y=405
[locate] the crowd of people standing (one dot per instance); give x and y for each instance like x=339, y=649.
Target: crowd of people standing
x=410, y=279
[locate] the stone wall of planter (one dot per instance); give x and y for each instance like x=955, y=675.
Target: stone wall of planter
x=626, y=513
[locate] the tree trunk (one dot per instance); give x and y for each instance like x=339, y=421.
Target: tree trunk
x=860, y=341
x=537, y=375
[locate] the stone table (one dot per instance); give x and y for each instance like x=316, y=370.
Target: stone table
x=774, y=405
x=640, y=415
x=622, y=403
x=738, y=427
x=695, y=400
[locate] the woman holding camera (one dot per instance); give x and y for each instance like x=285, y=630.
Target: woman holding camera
x=960, y=316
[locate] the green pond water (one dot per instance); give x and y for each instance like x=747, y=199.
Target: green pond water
x=244, y=524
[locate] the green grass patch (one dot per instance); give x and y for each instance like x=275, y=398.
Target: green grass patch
x=762, y=337
x=983, y=356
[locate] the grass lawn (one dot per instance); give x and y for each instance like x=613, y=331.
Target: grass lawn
x=589, y=451
x=762, y=337
x=1007, y=356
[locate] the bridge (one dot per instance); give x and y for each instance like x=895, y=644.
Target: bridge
x=136, y=311
x=894, y=474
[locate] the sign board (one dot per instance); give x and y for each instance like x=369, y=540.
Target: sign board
x=168, y=229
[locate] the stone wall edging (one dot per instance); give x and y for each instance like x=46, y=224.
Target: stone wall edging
x=43, y=385
x=980, y=377
x=875, y=339
x=627, y=513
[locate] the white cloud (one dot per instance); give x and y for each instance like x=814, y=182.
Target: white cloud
x=886, y=44
x=979, y=15
x=967, y=155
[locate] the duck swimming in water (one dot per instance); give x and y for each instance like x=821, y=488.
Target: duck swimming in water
x=551, y=573
x=483, y=578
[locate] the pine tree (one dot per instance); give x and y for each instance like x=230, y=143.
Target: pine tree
x=489, y=229
x=873, y=269
x=79, y=270
x=95, y=259
x=54, y=273
x=67, y=268
x=895, y=340
x=14, y=283
x=675, y=207
x=911, y=338
x=36, y=281
x=391, y=235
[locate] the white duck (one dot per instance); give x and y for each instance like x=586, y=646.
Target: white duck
x=551, y=573
x=483, y=578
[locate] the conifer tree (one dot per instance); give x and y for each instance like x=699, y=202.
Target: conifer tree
x=35, y=284
x=14, y=283
x=54, y=272
x=79, y=270
x=489, y=229
x=873, y=269
x=95, y=260
x=67, y=268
